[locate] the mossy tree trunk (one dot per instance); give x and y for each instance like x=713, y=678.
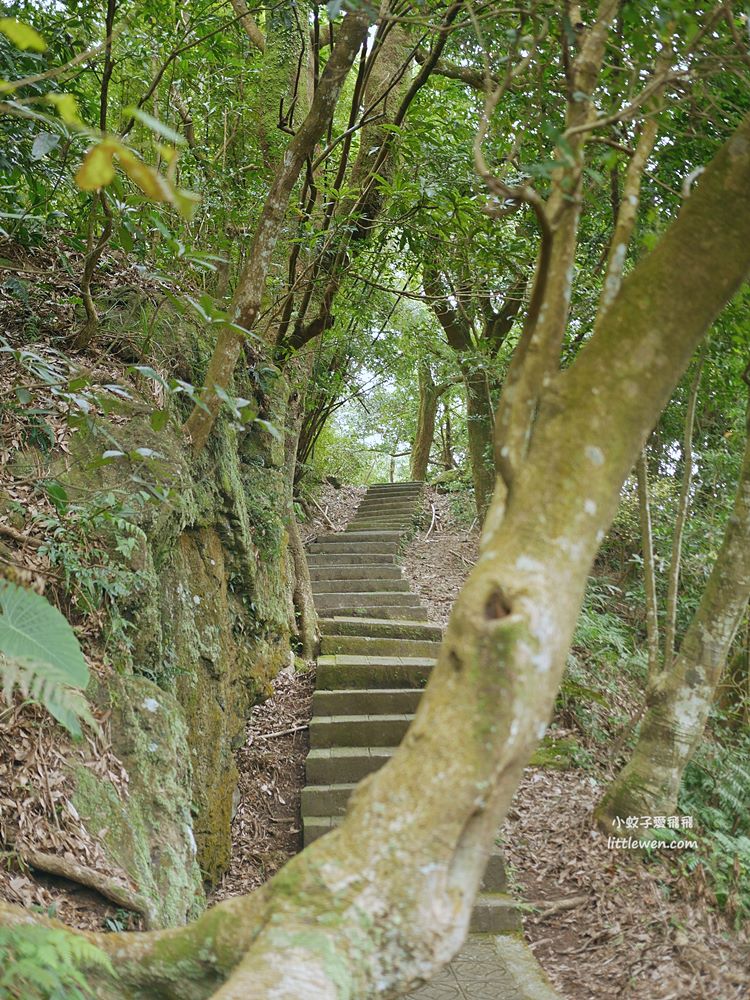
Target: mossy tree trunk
x=429, y=397
x=384, y=899
x=680, y=696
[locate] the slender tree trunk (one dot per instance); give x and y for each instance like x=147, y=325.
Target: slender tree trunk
x=95, y=248
x=446, y=439
x=425, y=433
x=670, y=627
x=680, y=699
x=649, y=568
x=302, y=596
x=250, y=288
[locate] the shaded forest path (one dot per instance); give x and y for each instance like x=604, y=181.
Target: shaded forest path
x=377, y=651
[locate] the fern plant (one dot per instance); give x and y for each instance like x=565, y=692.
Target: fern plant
x=40, y=656
x=716, y=791
x=41, y=963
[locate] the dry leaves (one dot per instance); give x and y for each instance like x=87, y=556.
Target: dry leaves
x=266, y=829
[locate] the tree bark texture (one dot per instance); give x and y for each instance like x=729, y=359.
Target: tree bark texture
x=425, y=432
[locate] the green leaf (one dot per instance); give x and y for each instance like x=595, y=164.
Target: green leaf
x=156, y=126
x=32, y=629
x=158, y=420
x=22, y=35
x=43, y=145
x=57, y=494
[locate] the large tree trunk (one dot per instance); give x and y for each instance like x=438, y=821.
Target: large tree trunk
x=384, y=899
x=680, y=698
x=425, y=433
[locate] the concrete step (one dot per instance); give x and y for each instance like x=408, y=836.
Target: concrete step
x=395, y=613
x=387, y=507
x=404, y=484
x=358, y=645
x=343, y=765
x=340, y=544
x=366, y=600
x=379, y=524
x=395, y=507
x=360, y=586
x=358, y=730
x=386, y=535
x=380, y=629
x=354, y=571
x=495, y=913
x=366, y=701
x=348, y=673
x=328, y=558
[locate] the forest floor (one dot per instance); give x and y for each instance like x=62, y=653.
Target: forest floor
x=602, y=923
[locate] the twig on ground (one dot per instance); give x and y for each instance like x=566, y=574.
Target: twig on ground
x=281, y=732
x=548, y=909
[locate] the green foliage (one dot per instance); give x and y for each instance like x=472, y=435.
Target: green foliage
x=41, y=657
x=32, y=630
x=39, y=963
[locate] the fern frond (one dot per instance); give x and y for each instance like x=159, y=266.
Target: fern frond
x=45, y=684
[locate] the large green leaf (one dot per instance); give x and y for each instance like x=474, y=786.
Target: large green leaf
x=32, y=629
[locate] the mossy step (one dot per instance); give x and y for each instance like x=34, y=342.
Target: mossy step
x=362, y=645
x=343, y=765
x=364, y=599
x=384, y=611
x=358, y=730
x=354, y=571
x=340, y=673
x=323, y=559
x=366, y=701
x=341, y=625
x=360, y=585
x=340, y=544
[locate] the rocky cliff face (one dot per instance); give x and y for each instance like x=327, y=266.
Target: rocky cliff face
x=204, y=628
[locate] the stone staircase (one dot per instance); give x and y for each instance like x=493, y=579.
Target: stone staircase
x=377, y=651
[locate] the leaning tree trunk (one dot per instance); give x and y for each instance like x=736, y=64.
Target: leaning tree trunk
x=680, y=698
x=425, y=433
x=383, y=900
